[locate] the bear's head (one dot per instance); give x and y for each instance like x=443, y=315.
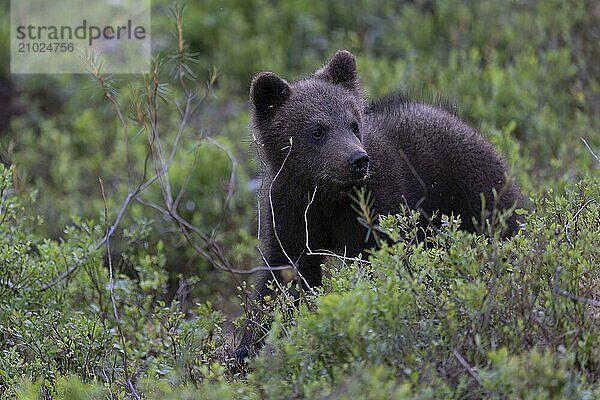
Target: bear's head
x=311, y=129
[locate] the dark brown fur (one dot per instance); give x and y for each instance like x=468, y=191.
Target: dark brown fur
x=418, y=155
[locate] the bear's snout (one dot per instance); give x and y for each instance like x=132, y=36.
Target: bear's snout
x=359, y=162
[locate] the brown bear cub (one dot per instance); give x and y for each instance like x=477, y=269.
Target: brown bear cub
x=318, y=140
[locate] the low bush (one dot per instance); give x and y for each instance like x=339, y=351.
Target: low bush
x=95, y=304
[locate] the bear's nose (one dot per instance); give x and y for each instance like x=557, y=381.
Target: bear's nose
x=359, y=161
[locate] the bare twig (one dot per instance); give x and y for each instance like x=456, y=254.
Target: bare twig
x=328, y=253
x=230, y=184
x=310, y=289
x=273, y=219
x=184, y=117
x=204, y=254
x=575, y=216
x=558, y=290
x=264, y=259
x=306, y=217
x=259, y=218
x=110, y=94
x=111, y=287
x=130, y=196
x=187, y=178
x=590, y=149
x=213, y=253
x=467, y=367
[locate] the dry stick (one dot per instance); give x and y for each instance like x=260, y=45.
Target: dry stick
x=111, y=231
x=215, y=257
x=154, y=140
x=259, y=218
x=111, y=286
x=306, y=217
x=310, y=289
x=590, y=149
x=328, y=253
x=163, y=167
x=558, y=290
x=414, y=172
x=185, y=115
x=220, y=263
x=171, y=211
x=231, y=184
x=575, y=216
x=156, y=144
x=469, y=369
x=262, y=255
x=203, y=253
x=159, y=165
x=187, y=178
x=130, y=195
x=225, y=265
x=324, y=252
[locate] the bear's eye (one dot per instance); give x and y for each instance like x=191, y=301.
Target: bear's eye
x=355, y=128
x=318, y=132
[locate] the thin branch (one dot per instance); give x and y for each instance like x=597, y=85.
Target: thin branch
x=259, y=218
x=96, y=247
x=558, y=290
x=306, y=218
x=230, y=185
x=310, y=289
x=111, y=287
x=205, y=255
x=271, y=202
x=328, y=253
x=109, y=233
x=186, y=179
x=262, y=255
x=467, y=367
x=575, y=216
x=184, y=118
x=414, y=172
x=132, y=194
x=590, y=149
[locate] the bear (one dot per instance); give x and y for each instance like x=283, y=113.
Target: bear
x=318, y=140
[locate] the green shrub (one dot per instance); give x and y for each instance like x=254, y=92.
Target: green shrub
x=459, y=316
x=417, y=310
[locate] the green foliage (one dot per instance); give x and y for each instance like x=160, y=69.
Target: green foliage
x=69, y=329
x=418, y=308
x=456, y=316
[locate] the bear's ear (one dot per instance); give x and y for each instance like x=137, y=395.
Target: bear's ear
x=267, y=93
x=341, y=70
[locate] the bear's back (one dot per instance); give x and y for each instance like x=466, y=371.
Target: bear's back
x=437, y=161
